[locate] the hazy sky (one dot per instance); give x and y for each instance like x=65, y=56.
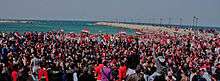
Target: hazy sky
x=208, y=11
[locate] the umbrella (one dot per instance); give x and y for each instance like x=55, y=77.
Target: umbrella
x=85, y=30
x=139, y=33
x=122, y=33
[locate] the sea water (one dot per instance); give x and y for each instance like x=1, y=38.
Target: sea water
x=67, y=26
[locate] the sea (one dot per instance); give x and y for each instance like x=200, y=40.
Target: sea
x=67, y=26
x=70, y=26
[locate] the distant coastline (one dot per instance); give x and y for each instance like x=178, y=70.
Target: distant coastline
x=146, y=28
x=153, y=24
x=14, y=21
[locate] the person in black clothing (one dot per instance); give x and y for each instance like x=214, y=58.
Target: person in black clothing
x=5, y=75
x=217, y=72
x=115, y=73
x=69, y=74
x=24, y=74
x=198, y=77
x=86, y=76
x=159, y=78
x=55, y=74
x=150, y=69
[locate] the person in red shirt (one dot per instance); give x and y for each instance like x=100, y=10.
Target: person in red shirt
x=98, y=70
x=14, y=74
x=42, y=74
x=122, y=71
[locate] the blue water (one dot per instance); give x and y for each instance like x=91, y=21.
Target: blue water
x=67, y=26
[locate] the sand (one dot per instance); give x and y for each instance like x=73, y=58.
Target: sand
x=147, y=28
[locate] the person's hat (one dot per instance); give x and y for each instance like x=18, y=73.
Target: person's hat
x=161, y=59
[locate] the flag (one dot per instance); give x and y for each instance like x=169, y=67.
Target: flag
x=17, y=35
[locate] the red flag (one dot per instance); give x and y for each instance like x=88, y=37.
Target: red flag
x=17, y=35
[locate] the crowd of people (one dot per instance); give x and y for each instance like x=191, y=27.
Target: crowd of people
x=59, y=56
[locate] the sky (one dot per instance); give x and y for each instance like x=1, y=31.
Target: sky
x=208, y=11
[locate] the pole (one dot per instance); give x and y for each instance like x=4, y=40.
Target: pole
x=197, y=21
x=153, y=20
x=169, y=20
x=181, y=20
x=161, y=21
x=194, y=20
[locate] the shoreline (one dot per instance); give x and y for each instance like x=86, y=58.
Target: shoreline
x=147, y=28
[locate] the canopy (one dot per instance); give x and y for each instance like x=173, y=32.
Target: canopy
x=139, y=33
x=122, y=33
x=85, y=30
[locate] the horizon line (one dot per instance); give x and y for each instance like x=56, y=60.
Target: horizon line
x=114, y=21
